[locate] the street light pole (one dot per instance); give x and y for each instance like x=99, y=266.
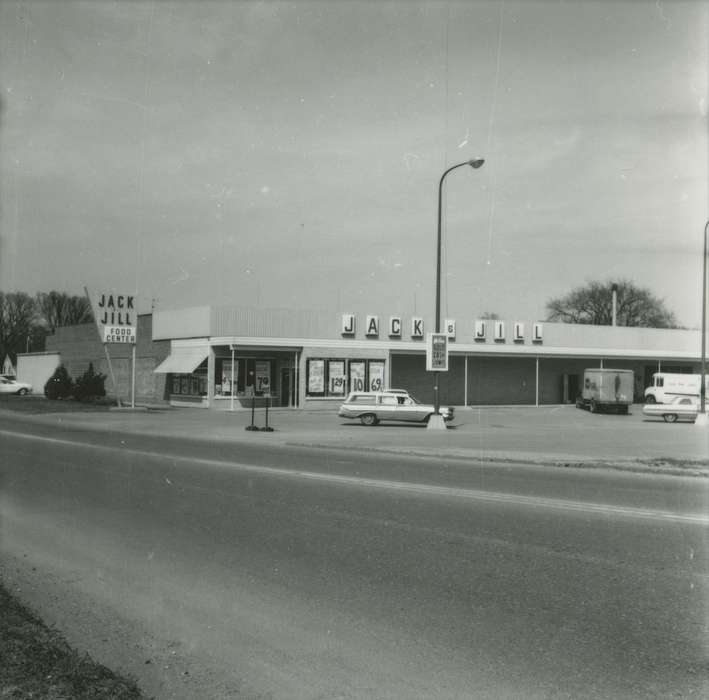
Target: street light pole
x=474, y=163
x=702, y=417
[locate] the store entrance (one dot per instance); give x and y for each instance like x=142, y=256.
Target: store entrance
x=569, y=388
x=286, y=379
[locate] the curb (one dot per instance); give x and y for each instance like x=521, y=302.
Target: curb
x=655, y=465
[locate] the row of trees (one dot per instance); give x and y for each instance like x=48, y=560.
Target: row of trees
x=25, y=321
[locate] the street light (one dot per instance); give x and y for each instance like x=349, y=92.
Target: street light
x=702, y=417
x=475, y=163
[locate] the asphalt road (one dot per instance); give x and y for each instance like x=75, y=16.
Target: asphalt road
x=220, y=572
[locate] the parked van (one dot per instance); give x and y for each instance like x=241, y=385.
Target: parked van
x=666, y=386
x=606, y=390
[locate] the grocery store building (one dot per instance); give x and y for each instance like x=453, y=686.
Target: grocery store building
x=223, y=357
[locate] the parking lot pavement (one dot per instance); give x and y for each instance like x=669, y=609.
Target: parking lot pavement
x=561, y=435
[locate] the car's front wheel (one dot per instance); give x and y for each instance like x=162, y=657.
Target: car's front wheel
x=368, y=419
x=22, y=392
x=670, y=417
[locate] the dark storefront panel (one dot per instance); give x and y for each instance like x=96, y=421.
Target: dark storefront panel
x=501, y=380
x=491, y=380
x=409, y=372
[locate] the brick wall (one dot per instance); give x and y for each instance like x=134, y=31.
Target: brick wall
x=80, y=345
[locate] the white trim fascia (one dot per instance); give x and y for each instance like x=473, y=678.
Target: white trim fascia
x=190, y=343
x=298, y=343
x=508, y=350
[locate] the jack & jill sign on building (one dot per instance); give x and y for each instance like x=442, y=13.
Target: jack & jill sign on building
x=116, y=319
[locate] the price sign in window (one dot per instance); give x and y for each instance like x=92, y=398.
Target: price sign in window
x=337, y=376
x=376, y=376
x=357, y=376
x=316, y=376
x=263, y=376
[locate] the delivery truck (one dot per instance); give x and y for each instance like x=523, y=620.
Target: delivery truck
x=609, y=390
x=666, y=386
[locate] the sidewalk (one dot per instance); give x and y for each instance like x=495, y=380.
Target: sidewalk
x=548, y=435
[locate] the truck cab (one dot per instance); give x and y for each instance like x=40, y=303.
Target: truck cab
x=667, y=386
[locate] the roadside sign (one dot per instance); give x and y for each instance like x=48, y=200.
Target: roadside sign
x=119, y=334
x=115, y=317
x=437, y=352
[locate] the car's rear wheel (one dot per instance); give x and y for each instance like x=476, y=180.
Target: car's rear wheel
x=22, y=392
x=594, y=406
x=650, y=399
x=670, y=417
x=368, y=419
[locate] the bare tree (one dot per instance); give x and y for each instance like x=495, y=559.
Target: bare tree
x=57, y=309
x=17, y=320
x=593, y=304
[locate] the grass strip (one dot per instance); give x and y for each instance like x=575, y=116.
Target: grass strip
x=36, y=662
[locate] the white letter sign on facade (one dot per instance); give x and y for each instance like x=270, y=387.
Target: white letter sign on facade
x=417, y=327
x=348, y=324
x=372, y=325
x=450, y=328
x=518, y=336
x=480, y=330
x=395, y=327
x=115, y=316
x=537, y=333
x=437, y=352
x=499, y=330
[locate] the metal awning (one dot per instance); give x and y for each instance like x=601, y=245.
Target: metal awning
x=182, y=360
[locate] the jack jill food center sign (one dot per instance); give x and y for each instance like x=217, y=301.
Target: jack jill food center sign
x=116, y=318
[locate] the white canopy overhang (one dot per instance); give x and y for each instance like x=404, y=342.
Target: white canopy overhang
x=182, y=360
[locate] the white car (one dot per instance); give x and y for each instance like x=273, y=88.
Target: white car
x=371, y=407
x=681, y=407
x=12, y=386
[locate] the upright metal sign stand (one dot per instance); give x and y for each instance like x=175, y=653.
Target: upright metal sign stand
x=116, y=327
x=105, y=346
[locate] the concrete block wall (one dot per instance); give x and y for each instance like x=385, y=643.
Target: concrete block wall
x=80, y=345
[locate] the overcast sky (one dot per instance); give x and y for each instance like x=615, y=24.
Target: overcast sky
x=288, y=154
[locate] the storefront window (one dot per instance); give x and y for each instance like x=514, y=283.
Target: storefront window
x=316, y=377
x=250, y=377
x=357, y=375
x=227, y=378
x=335, y=377
x=376, y=375
x=190, y=384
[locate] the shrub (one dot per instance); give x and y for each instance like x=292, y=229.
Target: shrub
x=59, y=385
x=90, y=385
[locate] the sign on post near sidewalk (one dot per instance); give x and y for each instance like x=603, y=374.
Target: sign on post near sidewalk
x=437, y=352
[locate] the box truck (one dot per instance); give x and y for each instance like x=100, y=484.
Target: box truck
x=606, y=390
x=666, y=386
